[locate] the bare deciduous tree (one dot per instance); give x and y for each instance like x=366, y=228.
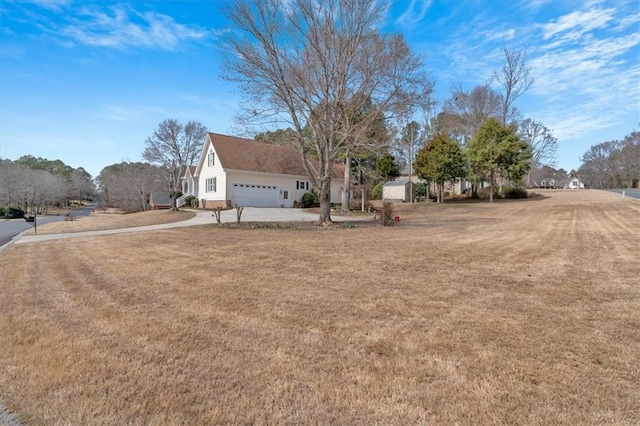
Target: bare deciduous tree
x=309, y=63
x=175, y=147
x=467, y=110
x=544, y=146
x=515, y=78
x=128, y=185
x=613, y=164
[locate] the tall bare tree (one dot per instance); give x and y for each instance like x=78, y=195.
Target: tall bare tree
x=307, y=62
x=466, y=110
x=544, y=146
x=515, y=78
x=175, y=147
x=128, y=186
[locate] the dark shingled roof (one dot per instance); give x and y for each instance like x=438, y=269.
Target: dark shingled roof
x=246, y=154
x=160, y=198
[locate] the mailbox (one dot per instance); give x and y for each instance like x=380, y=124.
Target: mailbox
x=29, y=218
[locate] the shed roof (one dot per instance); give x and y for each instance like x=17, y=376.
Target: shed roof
x=397, y=183
x=160, y=198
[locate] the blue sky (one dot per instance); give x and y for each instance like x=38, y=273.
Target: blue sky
x=87, y=82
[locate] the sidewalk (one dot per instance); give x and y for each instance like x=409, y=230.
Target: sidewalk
x=249, y=214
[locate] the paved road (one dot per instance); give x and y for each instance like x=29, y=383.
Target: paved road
x=635, y=193
x=12, y=227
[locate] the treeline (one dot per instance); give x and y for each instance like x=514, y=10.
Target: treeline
x=36, y=184
x=612, y=164
x=128, y=186
x=171, y=148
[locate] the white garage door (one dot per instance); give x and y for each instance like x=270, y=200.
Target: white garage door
x=249, y=195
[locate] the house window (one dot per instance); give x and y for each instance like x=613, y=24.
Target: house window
x=300, y=184
x=285, y=195
x=211, y=184
x=211, y=159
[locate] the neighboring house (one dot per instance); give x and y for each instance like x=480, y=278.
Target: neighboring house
x=160, y=200
x=234, y=171
x=398, y=190
x=575, y=184
x=546, y=184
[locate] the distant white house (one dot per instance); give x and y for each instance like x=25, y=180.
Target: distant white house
x=575, y=184
x=397, y=190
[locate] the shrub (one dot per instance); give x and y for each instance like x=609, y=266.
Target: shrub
x=483, y=193
x=190, y=201
x=513, y=192
x=13, y=213
x=348, y=225
x=1, y=211
x=309, y=199
x=376, y=192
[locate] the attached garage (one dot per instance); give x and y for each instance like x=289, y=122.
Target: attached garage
x=250, y=195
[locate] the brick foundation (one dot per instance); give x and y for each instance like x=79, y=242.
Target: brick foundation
x=212, y=204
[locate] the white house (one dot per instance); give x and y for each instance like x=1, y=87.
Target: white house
x=575, y=184
x=234, y=171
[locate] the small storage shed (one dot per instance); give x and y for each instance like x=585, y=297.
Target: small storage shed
x=160, y=200
x=397, y=190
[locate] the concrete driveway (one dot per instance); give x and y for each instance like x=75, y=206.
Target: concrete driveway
x=249, y=214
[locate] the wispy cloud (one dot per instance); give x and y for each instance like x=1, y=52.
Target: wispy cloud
x=499, y=35
x=579, y=22
x=54, y=5
x=414, y=13
x=121, y=27
x=587, y=71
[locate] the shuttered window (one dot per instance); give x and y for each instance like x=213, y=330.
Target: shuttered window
x=211, y=184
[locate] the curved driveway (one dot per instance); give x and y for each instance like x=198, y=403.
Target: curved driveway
x=249, y=214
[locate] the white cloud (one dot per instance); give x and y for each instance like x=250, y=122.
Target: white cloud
x=499, y=35
x=121, y=27
x=55, y=5
x=579, y=21
x=414, y=13
x=587, y=71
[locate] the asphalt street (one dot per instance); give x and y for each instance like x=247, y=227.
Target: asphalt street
x=635, y=193
x=12, y=227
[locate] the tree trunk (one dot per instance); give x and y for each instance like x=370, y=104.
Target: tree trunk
x=174, y=198
x=346, y=187
x=324, y=197
x=491, y=187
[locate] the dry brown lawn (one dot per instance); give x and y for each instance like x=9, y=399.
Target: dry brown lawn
x=521, y=312
x=99, y=221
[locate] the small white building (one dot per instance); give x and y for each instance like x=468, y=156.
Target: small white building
x=397, y=190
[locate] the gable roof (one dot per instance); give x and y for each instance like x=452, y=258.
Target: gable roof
x=250, y=155
x=189, y=171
